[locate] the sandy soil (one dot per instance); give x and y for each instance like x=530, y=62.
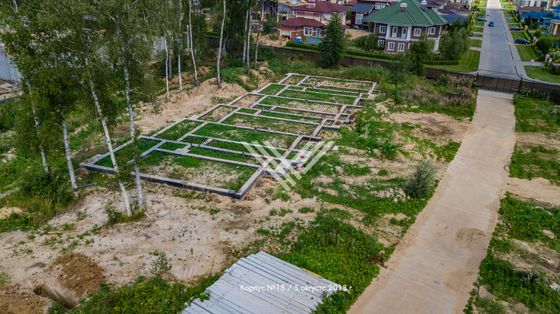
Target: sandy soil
x=184, y=104
x=440, y=254
x=434, y=124
x=355, y=33
x=538, y=190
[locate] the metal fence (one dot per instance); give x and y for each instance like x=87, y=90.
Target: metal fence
x=490, y=81
x=8, y=71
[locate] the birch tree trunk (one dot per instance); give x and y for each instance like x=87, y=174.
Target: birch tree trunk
x=68, y=153
x=259, y=34
x=220, y=48
x=37, y=125
x=137, y=179
x=15, y=6
x=180, y=42
x=41, y=148
x=109, y=144
x=166, y=65
x=245, y=39
x=192, y=44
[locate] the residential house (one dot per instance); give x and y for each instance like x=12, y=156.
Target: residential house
x=397, y=27
x=310, y=31
x=531, y=3
x=321, y=11
x=364, y=8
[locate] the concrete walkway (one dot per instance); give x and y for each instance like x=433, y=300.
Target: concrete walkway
x=433, y=268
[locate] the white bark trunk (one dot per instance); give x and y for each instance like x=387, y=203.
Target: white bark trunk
x=41, y=149
x=137, y=179
x=37, y=125
x=245, y=48
x=15, y=6
x=180, y=44
x=166, y=66
x=259, y=35
x=220, y=48
x=192, y=44
x=109, y=144
x=68, y=153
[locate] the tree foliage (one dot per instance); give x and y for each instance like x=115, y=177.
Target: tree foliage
x=332, y=45
x=454, y=43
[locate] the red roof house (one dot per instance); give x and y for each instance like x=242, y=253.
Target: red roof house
x=301, y=27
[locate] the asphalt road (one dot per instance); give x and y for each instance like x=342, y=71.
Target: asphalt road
x=498, y=56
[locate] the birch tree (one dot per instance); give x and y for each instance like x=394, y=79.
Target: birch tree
x=259, y=32
x=180, y=43
x=221, y=45
x=193, y=49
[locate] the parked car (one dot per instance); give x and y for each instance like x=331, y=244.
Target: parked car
x=522, y=41
x=515, y=28
x=491, y=24
x=481, y=19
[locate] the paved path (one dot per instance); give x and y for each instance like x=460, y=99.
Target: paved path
x=499, y=56
x=433, y=268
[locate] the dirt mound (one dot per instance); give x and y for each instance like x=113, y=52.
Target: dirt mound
x=16, y=302
x=78, y=273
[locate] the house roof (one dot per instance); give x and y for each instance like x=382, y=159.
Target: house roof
x=300, y=21
x=531, y=9
x=321, y=7
x=413, y=15
x=363, y=7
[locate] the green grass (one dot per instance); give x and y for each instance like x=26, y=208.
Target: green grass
x=238, y=174
x=476, y=43
x=272, y=124
x=153, y=295
x=536, y=162
x=536, y=115
x=175, y=132
x=126, y=154
x=337, y=251
x=527, y=53
x=319, y=96
x=468, y=63
x=541, y=73
x=506, y=282
x=245, y=135
x=272, y=89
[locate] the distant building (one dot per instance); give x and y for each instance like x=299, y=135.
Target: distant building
x=310, y=31
x=365, y=8
x=8, y=71
x=399, y=26
x=321, y=11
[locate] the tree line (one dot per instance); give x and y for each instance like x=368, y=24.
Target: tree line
x=100, y=57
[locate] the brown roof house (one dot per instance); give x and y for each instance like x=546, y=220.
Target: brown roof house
x=309, y=30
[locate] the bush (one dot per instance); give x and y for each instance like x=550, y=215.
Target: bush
x=544, y=44
x=454, y=43
x=367, y=43
x=421, y=182
x=51, y=187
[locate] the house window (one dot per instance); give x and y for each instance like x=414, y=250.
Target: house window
x=382, y=29
x=404, y=32
x=395, y=30
x=359, y=18
x=400, y=47
x=381, y=43
x=431, y=31
x=417, y=32
x=391, y=46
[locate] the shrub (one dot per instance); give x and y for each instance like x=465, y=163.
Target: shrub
x=454, y=43
x=421, y=182
x=367, y=43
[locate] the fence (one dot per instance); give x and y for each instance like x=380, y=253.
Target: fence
x=484, y=81
x=8, y=71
